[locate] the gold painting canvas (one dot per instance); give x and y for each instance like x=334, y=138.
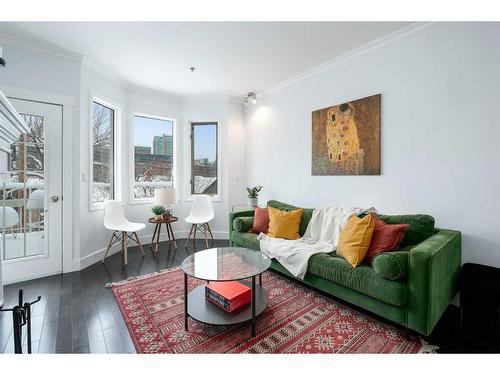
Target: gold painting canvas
x=346, y=138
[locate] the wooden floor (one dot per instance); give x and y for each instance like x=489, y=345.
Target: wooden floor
x=77, y=314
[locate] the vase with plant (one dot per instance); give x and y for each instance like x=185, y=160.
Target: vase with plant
x=158, y=210
x=253, y=195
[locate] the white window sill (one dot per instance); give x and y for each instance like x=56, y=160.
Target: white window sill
x=149, y=201
x=100, y=206
x=213, y=198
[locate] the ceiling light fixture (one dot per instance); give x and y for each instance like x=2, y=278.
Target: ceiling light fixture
x=2, y=61
x=192, y=69
x=250, y=98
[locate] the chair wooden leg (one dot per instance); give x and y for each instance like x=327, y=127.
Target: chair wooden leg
x=194, y=234
x=107, y=249
x=124, y=248
x=210, y=232
x=206, y=235
x=139, y=242
x=189, y=235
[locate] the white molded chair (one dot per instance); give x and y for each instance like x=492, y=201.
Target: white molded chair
x=115, y=220
x=9, y=218
x=201, y=213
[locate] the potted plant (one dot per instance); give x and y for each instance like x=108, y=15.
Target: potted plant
x=158, y=210
x=253, y=195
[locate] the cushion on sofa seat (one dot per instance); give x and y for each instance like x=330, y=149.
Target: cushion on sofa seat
x=362, y=279
x=392, y=265
x=243, y=223
x=420, y=227
x=306, y=215
x=248, y=240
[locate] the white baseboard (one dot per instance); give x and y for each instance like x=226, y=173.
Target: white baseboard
x=96, y=256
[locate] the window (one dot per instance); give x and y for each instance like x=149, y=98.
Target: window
x=204, y=158
x=153, y=155
x=103, y=136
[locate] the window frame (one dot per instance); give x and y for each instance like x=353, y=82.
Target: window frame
x=189, y=185
x=131, y=169
x=117, y=147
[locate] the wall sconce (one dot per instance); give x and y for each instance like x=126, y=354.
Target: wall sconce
x=250, y=98
x=2, y=61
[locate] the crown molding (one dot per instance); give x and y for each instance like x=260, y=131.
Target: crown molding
x=206, y=98
x=143, y=90
x=41, y=47
x=96, y=68
x=379, y=43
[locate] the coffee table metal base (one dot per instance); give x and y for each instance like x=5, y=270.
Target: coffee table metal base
x=197, y=307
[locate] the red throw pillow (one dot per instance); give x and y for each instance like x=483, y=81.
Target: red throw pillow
x=386, y=237
x=260, y=221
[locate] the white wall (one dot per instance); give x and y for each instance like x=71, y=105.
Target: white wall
x=440, y=131
x=42, y=75
x=36, y=70
x=93, y=237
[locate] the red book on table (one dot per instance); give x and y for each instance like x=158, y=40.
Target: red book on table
x=228, y=295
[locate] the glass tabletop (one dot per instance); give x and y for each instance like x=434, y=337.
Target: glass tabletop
x=225, y=263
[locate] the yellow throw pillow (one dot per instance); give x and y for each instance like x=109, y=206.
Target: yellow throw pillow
x=355, y=239
x=284, y=224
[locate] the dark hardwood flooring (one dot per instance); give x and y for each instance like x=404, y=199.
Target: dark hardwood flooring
x=77, y=314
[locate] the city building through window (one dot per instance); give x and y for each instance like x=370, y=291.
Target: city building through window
x=153, y=155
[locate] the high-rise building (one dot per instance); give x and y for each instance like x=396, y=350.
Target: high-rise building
x=163, y=145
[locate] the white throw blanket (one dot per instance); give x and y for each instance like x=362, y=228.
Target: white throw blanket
x=321, y=236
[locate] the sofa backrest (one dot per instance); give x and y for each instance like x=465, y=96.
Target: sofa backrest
x=420, y=228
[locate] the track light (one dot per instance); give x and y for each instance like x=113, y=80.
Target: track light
x=250, y=98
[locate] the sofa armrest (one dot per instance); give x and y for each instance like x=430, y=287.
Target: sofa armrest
x=234, y=215
x=243, y=223
x=434, y=267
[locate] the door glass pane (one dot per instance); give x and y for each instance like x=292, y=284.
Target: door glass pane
x=153, y=155
x=102, y=131
x=22, y=204
x=204, y=158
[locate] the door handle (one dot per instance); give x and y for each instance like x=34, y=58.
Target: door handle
x=54, y=198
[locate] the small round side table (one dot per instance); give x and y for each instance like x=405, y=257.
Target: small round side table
x=156, y=235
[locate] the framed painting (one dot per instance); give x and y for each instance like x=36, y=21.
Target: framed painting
x=346, y=138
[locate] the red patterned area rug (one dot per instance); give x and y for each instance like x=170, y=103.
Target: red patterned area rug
x=297, y=320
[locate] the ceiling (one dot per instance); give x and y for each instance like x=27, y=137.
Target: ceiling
x=230, y=58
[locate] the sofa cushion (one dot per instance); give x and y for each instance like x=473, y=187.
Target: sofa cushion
x=362, y=279
x=391, y=265
x=261, y=220
x=248, y=240
x=306, y=216
x=386, y=237
x=420, y=227
x=284, y=224
x=355, y=239
x=243, y=223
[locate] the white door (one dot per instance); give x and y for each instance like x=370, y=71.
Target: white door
x=31, y=202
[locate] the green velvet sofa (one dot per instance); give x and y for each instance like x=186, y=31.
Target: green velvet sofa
x=411, y=287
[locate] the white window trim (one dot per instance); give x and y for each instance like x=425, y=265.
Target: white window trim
x=117, y=149
x=192, y=197
x=131, y=169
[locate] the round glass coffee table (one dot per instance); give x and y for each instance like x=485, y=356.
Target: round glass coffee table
x=219, y=265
